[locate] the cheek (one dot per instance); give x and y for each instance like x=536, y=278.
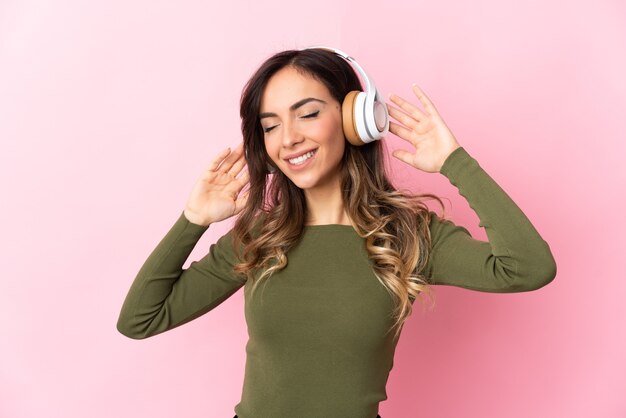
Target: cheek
x=328, y=130
x=272, y=150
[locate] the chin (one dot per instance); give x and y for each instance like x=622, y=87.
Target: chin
x=304, y=184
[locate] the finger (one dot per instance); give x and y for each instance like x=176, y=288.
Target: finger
x=227, y=164
x=218, y=158
x=410, y=108
x=240, y=162
x=402, y=117
x=403, y=155
x=400, y=131
x=244, y=178
x=236, y=184
x=239, y=150
x=428, y=105
x=237, y=167
x=240, y=203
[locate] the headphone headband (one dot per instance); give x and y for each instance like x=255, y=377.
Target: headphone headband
x=366, y=113
x=369, y=84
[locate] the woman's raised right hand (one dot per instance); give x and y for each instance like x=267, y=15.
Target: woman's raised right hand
x=215, y=195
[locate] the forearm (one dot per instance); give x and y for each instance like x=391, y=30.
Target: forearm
x=157, y=277
x=522, y=255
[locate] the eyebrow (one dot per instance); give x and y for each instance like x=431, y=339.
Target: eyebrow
x=292, y=107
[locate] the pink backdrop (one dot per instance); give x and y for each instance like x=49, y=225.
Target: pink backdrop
x=110, y=110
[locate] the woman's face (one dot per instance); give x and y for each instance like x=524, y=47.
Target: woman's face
x=293, y=126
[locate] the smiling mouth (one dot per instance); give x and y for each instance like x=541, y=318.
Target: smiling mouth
x=302, y=158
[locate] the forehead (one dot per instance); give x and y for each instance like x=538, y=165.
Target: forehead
x=287, y=86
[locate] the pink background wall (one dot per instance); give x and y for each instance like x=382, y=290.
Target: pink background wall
x=110, y=110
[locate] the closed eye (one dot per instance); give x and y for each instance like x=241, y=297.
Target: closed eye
x=309, y=116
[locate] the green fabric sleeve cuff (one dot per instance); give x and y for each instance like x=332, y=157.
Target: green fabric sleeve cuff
x=456, y=163
x=194, y=229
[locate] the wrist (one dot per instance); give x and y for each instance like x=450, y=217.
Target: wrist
x=195, y=219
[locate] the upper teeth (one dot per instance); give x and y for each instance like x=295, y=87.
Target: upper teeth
x=302, y=158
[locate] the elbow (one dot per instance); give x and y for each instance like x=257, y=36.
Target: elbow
x=128, y=329
x=547, y=268
x=542, y=272
x=549, y=271
x=541, y=280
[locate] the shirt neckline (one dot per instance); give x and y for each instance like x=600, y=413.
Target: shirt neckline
x=331, y=227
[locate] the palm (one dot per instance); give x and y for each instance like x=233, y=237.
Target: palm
x=425, y=130
x=215, y=196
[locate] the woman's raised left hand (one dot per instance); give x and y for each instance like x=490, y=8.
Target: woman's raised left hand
x=425, y=130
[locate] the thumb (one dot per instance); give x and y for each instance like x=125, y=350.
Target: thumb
x=403, y=155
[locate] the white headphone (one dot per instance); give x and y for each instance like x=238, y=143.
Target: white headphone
x=365, y=115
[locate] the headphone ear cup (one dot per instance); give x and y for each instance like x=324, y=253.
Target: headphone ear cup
x=348, y=119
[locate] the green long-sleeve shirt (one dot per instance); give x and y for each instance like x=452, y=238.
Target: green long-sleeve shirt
x=317, y=336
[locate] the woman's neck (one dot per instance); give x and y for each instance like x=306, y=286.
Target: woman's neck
x=325, y=206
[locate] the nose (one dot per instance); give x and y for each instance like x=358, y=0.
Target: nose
x=291, y=134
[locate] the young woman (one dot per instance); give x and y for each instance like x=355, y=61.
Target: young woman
x=342, y=254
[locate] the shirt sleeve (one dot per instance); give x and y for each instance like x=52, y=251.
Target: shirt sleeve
x=164, y=295
x=516, y=258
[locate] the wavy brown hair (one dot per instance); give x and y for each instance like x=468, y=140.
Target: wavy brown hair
x=393, y=223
